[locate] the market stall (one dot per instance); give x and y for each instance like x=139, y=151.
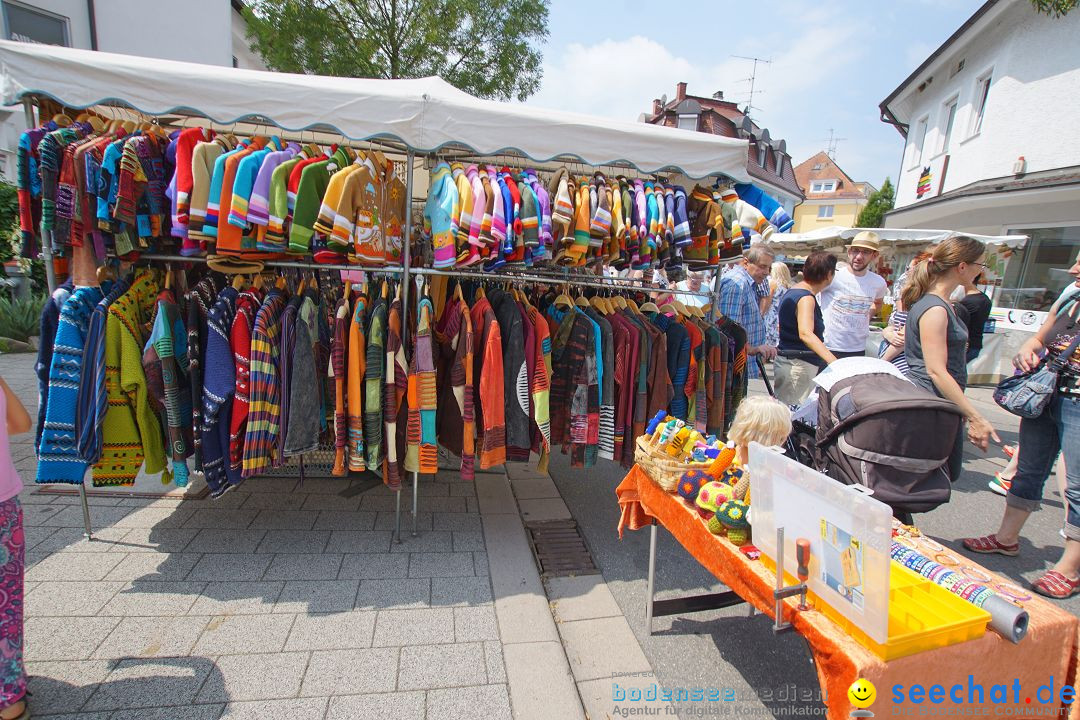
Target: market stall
x=394, y=122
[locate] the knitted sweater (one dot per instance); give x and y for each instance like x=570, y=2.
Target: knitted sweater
x=338, y=369
x=247, y=305
x=356, y=360
x=50, y=317
x=58, y=454
x=515, y=376
x=219, y=386
x=92, y=397
x=264, y=420
x=454, y=384
x=302, y=432
x=439, y=215
x=165, y=363
x=394, y=409
x=489, y=390
x=131, y=432
x=375, y=365
x=422, y=453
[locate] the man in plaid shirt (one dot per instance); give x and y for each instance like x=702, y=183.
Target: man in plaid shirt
x=739, y=300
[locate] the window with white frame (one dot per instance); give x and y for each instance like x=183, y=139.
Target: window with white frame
x=919, y=140
x=823, y=186
x=982, y=93
x=762, y=153
x=688, y=122
x=825, y=212
x=947, y=125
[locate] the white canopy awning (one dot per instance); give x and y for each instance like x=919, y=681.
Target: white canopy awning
x=426, y=114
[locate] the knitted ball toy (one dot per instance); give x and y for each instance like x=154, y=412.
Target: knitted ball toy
x=690, y=482
x=711, y=496
x=733, y=515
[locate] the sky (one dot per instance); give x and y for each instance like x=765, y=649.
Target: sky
x=832, y=63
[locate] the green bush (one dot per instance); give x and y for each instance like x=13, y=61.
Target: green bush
x=19, y=319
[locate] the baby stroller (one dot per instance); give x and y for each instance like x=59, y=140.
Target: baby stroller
x=878, y=430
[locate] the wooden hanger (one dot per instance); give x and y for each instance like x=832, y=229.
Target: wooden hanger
x=280, y=283
x=649, y=307
x=257, y=281
x=385, y=290
x=668, y=307
x=168, y=276
x=696, y=311
x=61, y=119
x=303, y=285
x=563, y=300
x=680, y=308
x=598, y=303
x=238, y=282
x=619, y=301
x=632, y=305
x=348, y=289
x=581, y=301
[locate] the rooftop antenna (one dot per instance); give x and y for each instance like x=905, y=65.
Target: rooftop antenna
x=752, y=79
x=832, y=141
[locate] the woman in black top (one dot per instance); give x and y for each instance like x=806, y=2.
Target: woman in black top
x=802, y=352
x=977, y=304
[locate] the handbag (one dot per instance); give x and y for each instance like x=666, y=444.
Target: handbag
x=1029, y=394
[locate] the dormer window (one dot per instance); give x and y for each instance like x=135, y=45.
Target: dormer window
x=823, y=186
x=687, y=114
x=762, y=153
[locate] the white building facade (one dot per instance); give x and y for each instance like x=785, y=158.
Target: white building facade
x=990, y=122
x=205, y=31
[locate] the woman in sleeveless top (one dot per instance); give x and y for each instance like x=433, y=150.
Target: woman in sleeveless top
x=802, y=352
x=936, y=340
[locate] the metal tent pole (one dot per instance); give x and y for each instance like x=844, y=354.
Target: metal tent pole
x=88, y=531
x=406, y=280
x=713, y=309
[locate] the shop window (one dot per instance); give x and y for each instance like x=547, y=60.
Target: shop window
x=1036, y=274
x=825, y=212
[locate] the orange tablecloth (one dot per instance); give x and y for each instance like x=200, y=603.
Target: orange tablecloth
x=1050, y=648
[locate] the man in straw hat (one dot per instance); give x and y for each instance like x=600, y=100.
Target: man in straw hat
x=854, y=297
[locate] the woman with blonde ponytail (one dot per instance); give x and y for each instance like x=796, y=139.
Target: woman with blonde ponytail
x=936, y=339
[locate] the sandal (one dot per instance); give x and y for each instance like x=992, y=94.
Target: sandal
x=25, y=714
x=989, y=544
x=1055, y=585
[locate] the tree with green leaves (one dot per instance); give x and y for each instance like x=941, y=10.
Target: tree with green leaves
x=1054, y=8
x=880, y=202
x=489, y=48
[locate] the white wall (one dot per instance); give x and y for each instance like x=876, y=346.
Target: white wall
x=74, y=10
x=1033, y=108
x=194, y=31
x=245, y=57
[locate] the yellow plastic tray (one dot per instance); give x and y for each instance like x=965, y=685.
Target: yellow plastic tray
x=922, y=616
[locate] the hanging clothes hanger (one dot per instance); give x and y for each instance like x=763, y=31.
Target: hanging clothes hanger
x=649, y=307
x=257, y=281
x=563, y=300
x=238, y=282
x=581, y=301
x=61, y=119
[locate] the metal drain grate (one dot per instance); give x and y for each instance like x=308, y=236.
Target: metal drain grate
x=560, y=549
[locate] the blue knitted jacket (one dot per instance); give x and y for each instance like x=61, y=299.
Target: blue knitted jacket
x=219, y=385
x=58, y=453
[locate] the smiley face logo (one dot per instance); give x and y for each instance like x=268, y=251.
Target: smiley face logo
x=862, y=693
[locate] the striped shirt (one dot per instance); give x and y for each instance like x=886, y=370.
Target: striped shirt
x=264, y=412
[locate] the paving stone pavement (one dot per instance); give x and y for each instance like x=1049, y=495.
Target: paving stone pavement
x=277, y=600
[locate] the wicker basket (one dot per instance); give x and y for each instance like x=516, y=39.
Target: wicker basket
x=661, y=467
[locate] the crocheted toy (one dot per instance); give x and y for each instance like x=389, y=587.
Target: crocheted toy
x=739, y=479
x=712, y=495
x=722, y=461
x=690, y=482
x=733, y=514
x=715, y=526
